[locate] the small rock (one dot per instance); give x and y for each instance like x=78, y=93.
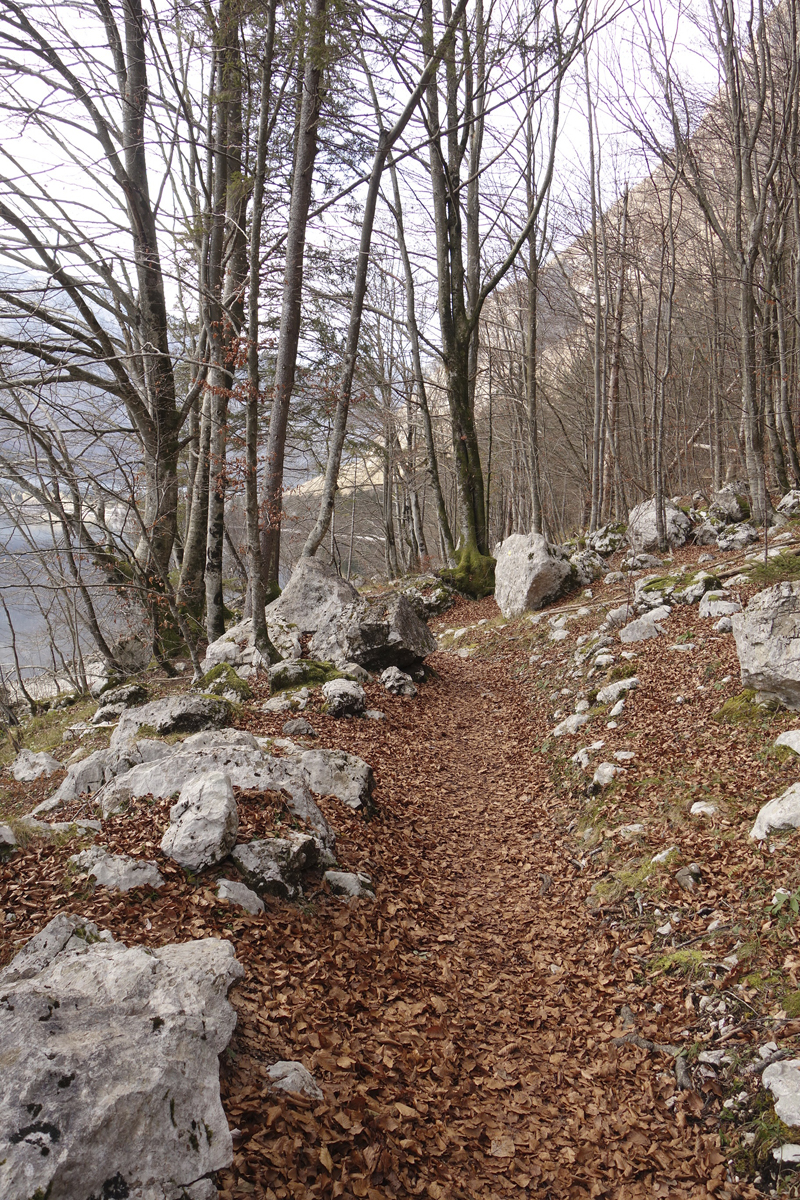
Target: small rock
x=581, y=758
x=7, y=839
x=687, y=877
x=618, y=709
x=604, y=660
x=29, y=766
x=559, y=635
x=783, y=1080
x=724, y=625
x=293, y=1077
x=203, y=823
x=570, y=724
x=781, y=813
x=348, y=883
x=612, y=691
x=117, y=872
x=664, y=930
x=624, y=755
x=398, y=682
x=274, y=865
x=375, y=714
x=605, y=773
x=236, y=893
x=713, y=1058
x=582, y=706
x=344, y=698
x=627, y=832
x=702, y=808
x=766, y=1052
x=299, y=727
x=790, y=738
x=787, y=1154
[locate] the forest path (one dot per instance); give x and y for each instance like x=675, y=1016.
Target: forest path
x=462, y=1026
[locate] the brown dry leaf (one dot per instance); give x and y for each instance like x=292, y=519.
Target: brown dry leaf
x=502, y=1147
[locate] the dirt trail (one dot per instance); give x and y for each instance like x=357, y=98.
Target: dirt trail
x=465, y=1029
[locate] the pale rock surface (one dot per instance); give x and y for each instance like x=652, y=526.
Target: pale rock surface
x=642, y=530
x=375, y=714
x=529, y=573
x=570, y=724
x=783, y=1080
x=767, y=637
x=293, y=1077
x=111, y=1066
x=344, y=698
x=736, y=537
x=89, y=774
x=236, y=893
x=274, y=865
x=663, y=855
x=203, y=824
x=787, y=1155
x=781, y=813
x=237, y=648
x=731, y=504
x=588, y=566
x=646, y=627
x=350, y=883
x=687, y=877
x=790, y=738
x=7, y=839
x=429, y=596
x=605, y=773
x=186, y=713
x=347, y=628
x=336, y=773
x=398, y=682
x=629, y=832
x=618, y=709
x=29, y=766
x=789, y=505
x=703, y=808
x=118, y=872
x=607, y=539
x=299, y=727
x=718, y=604
x=613, y=691
x=724, y=625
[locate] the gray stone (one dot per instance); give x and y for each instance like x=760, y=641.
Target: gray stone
x=616, y=617
x=687, y=877
x=293, y=1077
x=375, y=714
x=203, y=824
x=111, y=1066
x=29, y=766
x=642, y=528
x=783, y=1080
x=82, y=778
x=397, y=682
x=703, y=808
x=718, y=604
x=186, y=713
x=788, y=1154
x=781, y=813
x=790, y=738
x=299, y=673
x=612, y=691
x=344, y=698
x=723, y=625
x=275, y=865
x=350, y=883
x=236, y=893
x=299, y=727
x=789, y=505
x=285, y=702
x=605, y=774
x=588, y=566
x=359, y=673
x=429, y=596
x=646, y=627
x=570, y=724
x=607, y=539
x=707, y=533
x=335, y=773
x=237, y=647
x=731, y=504
x=614, y=577
x=768, y=644
x=108, y=714
x=117, y=872
x=128, y=695
x=529, y=573
x=8, y=841
x=347, y=628
x=736, y=537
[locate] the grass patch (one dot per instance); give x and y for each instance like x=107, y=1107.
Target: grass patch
x=625, y=670
x=687, y=963
x=222, y=679
x=662, y=584
x=742, y=710
x=782, y=567
x=791, y=1004
x=46, y=731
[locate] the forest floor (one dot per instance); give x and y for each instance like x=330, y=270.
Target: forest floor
x=503, y=1020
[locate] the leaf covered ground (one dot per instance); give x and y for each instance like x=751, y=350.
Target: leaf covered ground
x=490, y=1025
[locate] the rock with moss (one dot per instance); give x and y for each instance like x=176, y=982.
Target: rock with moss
x=345, y=627
x=789, y=505
x=237, y=647
x=642, y=531
x=223, y=681
x=589, y=567
x=707, y=532
x=186, y=713
x=718, y=604
x=530, y=573
x=731, y=504
x=768, y=644
x=301, y=672
x=111, y=1065
x=428, y=595
x=607, y=539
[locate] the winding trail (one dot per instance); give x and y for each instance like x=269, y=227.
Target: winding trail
x=462, y=1026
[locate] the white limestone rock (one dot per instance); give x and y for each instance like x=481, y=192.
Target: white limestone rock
x=789, y=505
x=783, y=1080
x=642, y=529
x=529, y=573
x=737, y=537
x=344, y=698
x=293, y=1077
x=185, y=713
x=350, y=883
x=718, y=604
x=236, y=893
x=790, y=738
x=605, y=774
x=29, y=766
x=731, y=504
x=612, y=691
x=336, y=773
x=646, y=627
x=781, y=813
x=237, y=648
x=275, y=865
x=111, y=1066
x=203, y=824
x=607, y=539
x=588, y=566
x=117, y=872
x=398, y=682
x=570, y=724
x=8, y=841
x=767, y=637
x=703, y=808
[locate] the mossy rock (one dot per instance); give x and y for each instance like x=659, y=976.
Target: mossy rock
x=625, y=670
x=664, y=583
x=743, y=710
x=302, y=672
x=223, y=681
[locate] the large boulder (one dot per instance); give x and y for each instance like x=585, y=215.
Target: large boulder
x=203, y=824
x=643, y=530
x=336, y=773
x=731, y=504
x=767, y=637
x=175, y=714
x=111, y=1066
x=237, y=647
x=345, y=627
x=91, y=773
x=778, y=814
x=29, y=766
x=428, y=595
x=529, y=573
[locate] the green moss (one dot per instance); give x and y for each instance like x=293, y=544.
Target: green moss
x=303, y=672
x=776, y=570
x=625, y=670
x=679, y=962
x=473, y=576
x=223, y=679
x=662, y=584
x=742, y=710
x=791, y=1004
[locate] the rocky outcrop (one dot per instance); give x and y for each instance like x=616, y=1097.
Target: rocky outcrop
x=344, y=698
x=111, y=1066
x=118, y=872
x=29, y=766
x=607, y=539
x=335, y=773
x=186, y=713
x=91, y=773
x=643, y=531
x=237, y=648
x=203, y=824
x=429, y=596
x=731, y=504
x=346, y=627
x=768, y=644
x=529, y=573
x=789, y=505
x=588, y=565
x=718, y=604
